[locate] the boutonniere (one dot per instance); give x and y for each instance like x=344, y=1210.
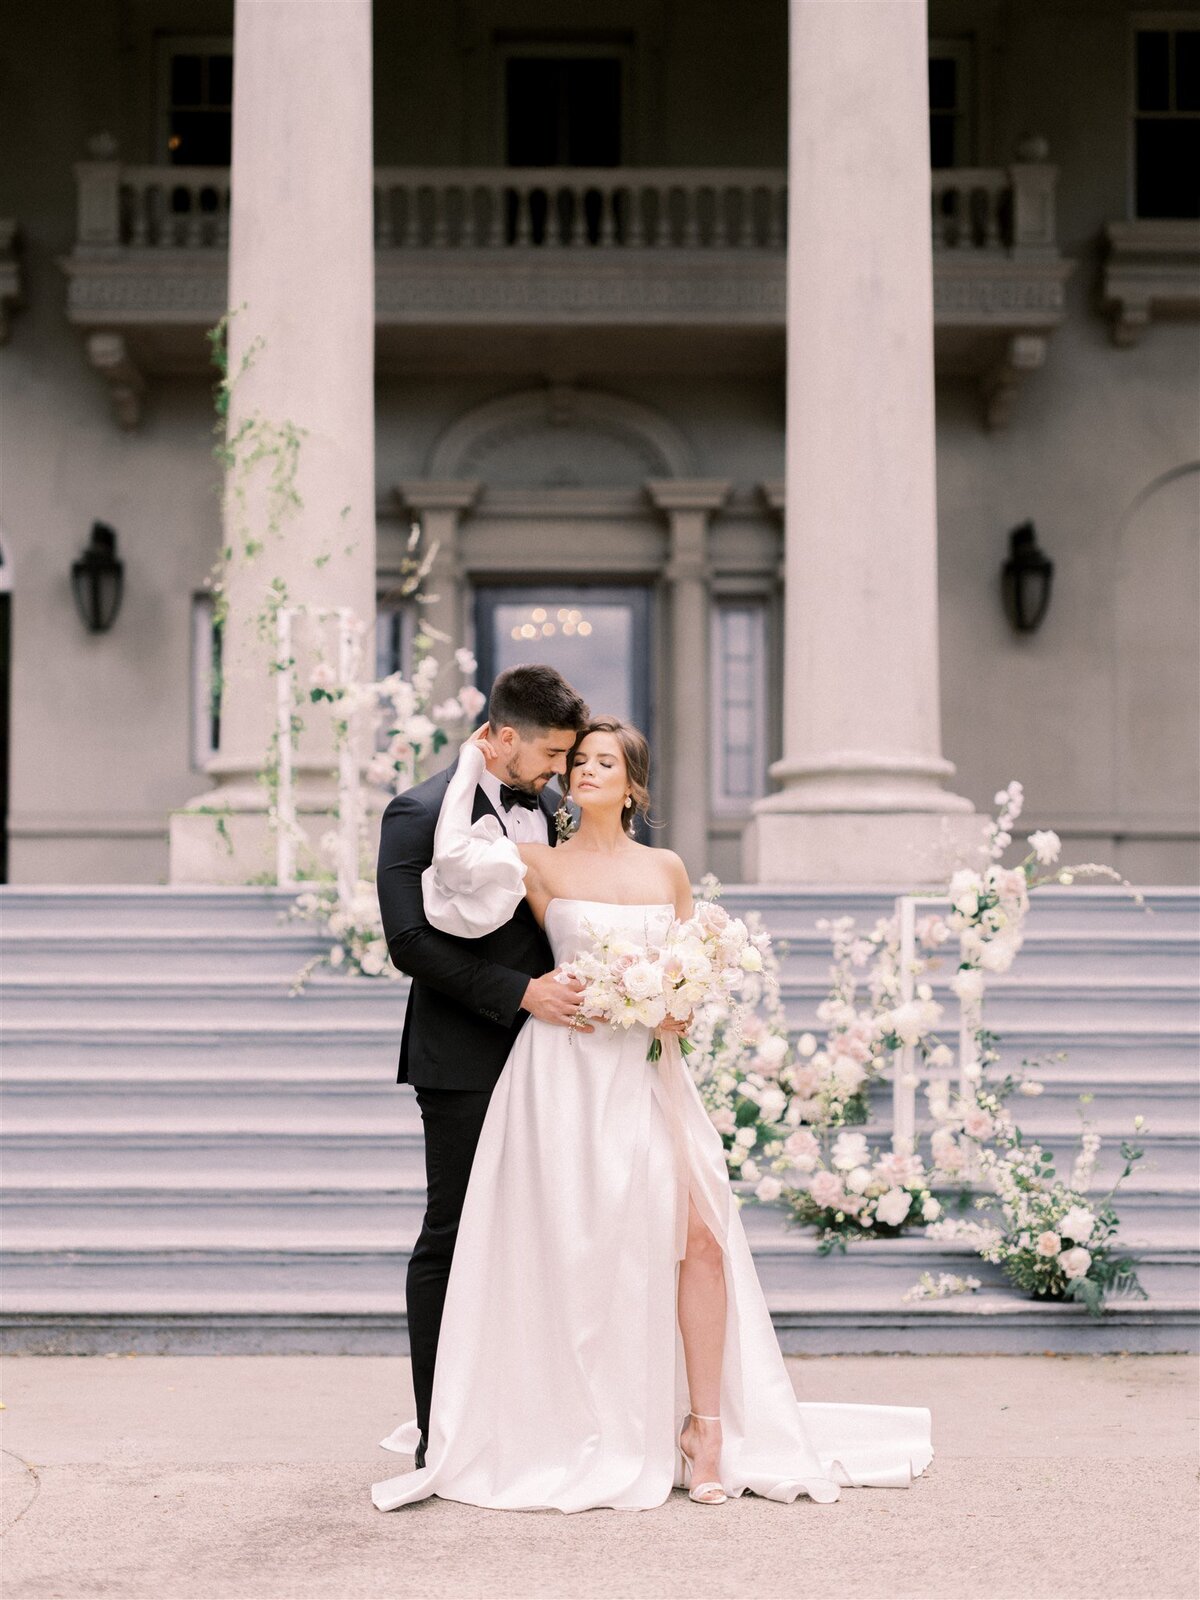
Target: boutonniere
x=564, y=823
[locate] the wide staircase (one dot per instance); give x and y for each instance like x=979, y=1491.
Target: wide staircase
x=194, y=1159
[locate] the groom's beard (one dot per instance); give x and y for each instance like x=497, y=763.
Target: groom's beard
x=530, y=785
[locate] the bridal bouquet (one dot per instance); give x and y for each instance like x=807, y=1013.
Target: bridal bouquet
x=703, y=961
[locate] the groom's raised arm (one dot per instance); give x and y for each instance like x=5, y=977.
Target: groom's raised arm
x=445, y=963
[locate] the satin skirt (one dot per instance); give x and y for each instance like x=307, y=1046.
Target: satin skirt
x=560, y=1379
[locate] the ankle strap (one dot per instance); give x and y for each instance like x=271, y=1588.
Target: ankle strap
x=700, y=1418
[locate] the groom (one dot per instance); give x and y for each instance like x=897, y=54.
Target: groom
x=469, y=997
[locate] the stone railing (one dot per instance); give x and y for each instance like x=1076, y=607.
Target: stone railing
x=688, y=208
x=166, y=208
x=994, y=208
x=984, y=209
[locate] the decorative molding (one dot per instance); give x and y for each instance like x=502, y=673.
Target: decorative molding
x=619, y=286
x=1024, y=353
x=108, y=353
x=10, y=274
x=114, y=825
x=1152, y=272
x=772, y=492
x=689, y=494
x=649, y=435
x=991, y=289
x=432, y=494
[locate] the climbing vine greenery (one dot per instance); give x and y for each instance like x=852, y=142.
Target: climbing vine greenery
x=256, y=444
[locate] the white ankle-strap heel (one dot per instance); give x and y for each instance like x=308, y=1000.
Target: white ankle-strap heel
x=704, y=1494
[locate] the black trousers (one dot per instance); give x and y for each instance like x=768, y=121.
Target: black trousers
x=452, y=1120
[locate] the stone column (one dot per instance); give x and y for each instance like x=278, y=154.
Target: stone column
x=862, y=797
x=441, y=505
x=301, y=285
x=683, y=773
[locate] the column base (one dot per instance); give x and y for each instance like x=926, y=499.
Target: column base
x=915, y=850
x=225, y=835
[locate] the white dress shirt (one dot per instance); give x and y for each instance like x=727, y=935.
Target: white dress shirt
x=522, y=826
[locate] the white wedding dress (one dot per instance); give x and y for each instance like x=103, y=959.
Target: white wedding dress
x=560, y=1379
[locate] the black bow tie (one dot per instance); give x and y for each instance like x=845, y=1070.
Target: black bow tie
x=510, y=797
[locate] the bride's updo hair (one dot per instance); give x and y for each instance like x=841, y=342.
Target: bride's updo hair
x=637, y=764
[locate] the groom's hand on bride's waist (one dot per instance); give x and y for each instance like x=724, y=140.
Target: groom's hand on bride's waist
x=555, y=999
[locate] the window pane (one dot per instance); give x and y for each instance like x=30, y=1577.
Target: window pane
x=1187, y=70
x=943, y=83
x=561, y=111
x=941, y=140
x=1167, y=163
x=589, y=642
x=220, y=80
x=200, y=138
x=532, y=111
x=593, y=113
x=1153, y=70
x=738, y=702
x=185, y=80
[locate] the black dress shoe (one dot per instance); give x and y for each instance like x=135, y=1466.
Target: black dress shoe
x=419, y=1457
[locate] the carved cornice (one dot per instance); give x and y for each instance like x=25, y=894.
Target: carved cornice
x=985, y=304
x=616, y=286
x=1152, y=271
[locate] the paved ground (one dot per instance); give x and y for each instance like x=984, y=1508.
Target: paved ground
x=247, y=1478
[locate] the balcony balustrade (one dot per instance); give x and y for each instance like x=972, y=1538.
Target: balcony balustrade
x=619, y=253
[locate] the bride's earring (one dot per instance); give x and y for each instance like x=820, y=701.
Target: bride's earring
x=628, y=799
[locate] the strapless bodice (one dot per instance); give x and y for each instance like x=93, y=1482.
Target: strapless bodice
x=572, y=925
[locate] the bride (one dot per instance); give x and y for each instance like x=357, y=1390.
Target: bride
x=605, y=1336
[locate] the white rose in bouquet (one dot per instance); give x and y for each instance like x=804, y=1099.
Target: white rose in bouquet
x=1077, y=1224
x=850, y=1150
x=1075, y=1262
x=773, y=1050
x=893, y=1207
x=826, y=1189
x=802, y=1149
x=848, y=1074
x=773, y=1104
x=643, y=981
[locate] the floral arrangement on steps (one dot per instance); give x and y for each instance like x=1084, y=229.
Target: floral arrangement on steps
x=858, y=1194
x=848, y=1193
x=411, y=729
x=1044, y=1234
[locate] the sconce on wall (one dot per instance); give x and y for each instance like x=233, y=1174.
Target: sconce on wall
x=1025, y=579
x=98, y=580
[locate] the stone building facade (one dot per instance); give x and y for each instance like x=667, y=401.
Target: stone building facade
x=521, y=275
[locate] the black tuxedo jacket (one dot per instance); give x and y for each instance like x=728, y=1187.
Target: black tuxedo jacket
x=464, y=1007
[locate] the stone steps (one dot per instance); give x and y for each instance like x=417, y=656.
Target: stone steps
x=194, y=1159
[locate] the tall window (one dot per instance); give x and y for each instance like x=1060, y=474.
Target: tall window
x=1166, y=118
x=395, y=630
x=951, y=136
x=739, y=702
x=196, y=101
x=206, y=680
x=563, y=105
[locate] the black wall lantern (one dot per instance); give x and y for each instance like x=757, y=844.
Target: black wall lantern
x=1025, y=579
x=98, y=579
